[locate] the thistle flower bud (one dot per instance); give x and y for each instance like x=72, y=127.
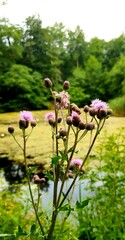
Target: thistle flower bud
x=86, y=108
x=11, y=129
x=81, y=125
x=58, y=98
x=33, y=123
x=89, y=126
x=92, y=112
x=51, y=121
x=102, y=113
x=23, y=124
x=69, y=120
x=66, y=85
x=109, y=112
x=43, y=180
x=75, y=119
x=59, y=119
x=48, y=83
x=62, y=132
x=75, y=108
x=36, y=179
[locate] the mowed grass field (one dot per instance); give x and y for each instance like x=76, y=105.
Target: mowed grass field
x=39, y=144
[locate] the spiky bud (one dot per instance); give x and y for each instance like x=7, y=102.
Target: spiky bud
x=59, y=119
x=23, y=124
x=69, y=120
x=33, y=123
x=51, y=121
x=48, y=83
x=81, y=125
x=62, y=132
x=92, y=112
x=102, y=113
x=89, y=126
x=11, y=129
x=86, y=108
x=66, y=85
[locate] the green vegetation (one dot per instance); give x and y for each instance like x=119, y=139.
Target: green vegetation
x=28, y=54
x=103, y=218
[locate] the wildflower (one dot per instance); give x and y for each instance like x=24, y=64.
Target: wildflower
x=26, y=116
x=50, y=115
x=64, y=99
x=75, y=119
x=76, y=162
x=98, y=104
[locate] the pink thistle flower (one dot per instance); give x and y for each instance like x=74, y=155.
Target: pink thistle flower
x=26, y=116
x=76, y=162
x=50, y=115
x=98, y=104
x=64, y=99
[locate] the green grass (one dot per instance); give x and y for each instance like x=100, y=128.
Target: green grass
x=39, y=145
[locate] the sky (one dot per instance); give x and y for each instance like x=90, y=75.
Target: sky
x=104, y=19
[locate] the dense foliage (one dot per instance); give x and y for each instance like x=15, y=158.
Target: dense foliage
x=30, y=53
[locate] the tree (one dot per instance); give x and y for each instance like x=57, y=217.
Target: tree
x=10, y=44
x=21, y=89
x=116, y=80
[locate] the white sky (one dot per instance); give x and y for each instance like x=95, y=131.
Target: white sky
x=104, y=19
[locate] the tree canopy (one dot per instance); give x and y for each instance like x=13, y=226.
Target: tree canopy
x=28, y=54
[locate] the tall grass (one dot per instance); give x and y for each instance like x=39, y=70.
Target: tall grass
x=118, y=106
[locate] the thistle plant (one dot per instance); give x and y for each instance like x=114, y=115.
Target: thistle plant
x=69, y=125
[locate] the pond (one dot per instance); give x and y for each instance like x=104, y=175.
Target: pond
x=12, y=178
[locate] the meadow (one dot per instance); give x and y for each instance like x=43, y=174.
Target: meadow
x=39, y=146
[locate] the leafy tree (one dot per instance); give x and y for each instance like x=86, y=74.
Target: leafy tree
x=114, y=50
x=95, y=85
x=116, y=80
x=21, y=89
x=77, y=89
x=10, y=44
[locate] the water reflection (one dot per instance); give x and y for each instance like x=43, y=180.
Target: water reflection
x=15, y=175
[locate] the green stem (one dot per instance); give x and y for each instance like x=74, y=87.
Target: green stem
x=89, y=150
x=67, y=168
x=28, y=180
